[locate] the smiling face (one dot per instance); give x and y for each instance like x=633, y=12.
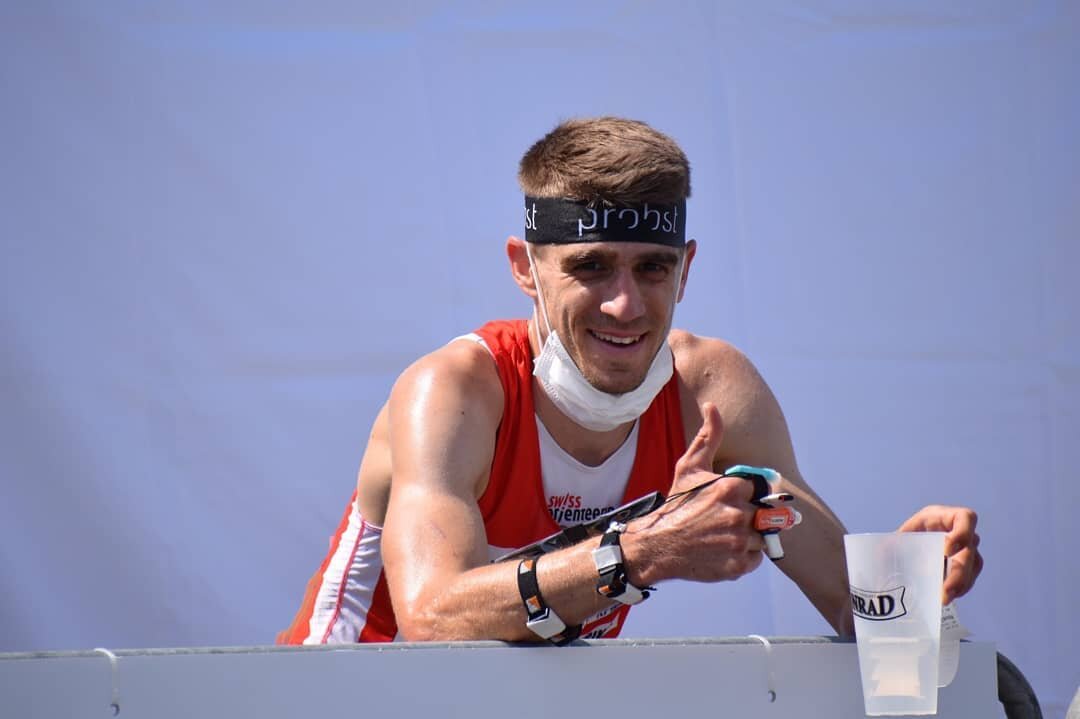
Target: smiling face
x=611, y=304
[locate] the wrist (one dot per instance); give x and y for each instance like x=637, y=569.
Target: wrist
x=541, y=619
x=641, y=569
x=613, y=582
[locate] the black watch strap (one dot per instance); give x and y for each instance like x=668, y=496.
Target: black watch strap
x=542, y=619
x=612, y=582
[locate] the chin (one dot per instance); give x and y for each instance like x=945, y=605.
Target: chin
x=615, y=385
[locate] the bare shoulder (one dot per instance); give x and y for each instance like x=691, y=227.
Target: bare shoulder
x=461, y=371
x=444, y=414
x=716, y=371
x=712, y=368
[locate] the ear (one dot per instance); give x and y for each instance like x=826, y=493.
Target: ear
x=691, y=250
x=519, y=265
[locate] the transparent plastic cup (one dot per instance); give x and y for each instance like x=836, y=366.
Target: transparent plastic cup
x=896, y=583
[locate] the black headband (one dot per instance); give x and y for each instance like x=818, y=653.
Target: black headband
x=551, y=220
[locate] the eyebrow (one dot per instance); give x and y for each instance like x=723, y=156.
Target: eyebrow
x=660, y=257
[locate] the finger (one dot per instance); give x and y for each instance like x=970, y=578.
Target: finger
x=958, y=522
x=757, y=552
x=736, y=493
x=962, y=532
x=964, y=568
x=927, y=519
x=703, y=448
x=755, y=561
x=958, y=579
x=913, y=523
x=747, y=558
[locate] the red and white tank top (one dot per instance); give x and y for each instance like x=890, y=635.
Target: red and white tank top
x=578, y=492
x=347, y=599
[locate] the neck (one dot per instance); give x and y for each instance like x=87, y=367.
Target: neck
x=585, y=445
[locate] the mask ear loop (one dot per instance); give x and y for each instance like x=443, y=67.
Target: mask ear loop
x=678, y=284
x=539, y=294
x=675, y=298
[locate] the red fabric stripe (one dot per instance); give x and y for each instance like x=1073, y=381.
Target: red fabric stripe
x=381, y=626
x=661, y=441
x=297, y=632
x=513, y=505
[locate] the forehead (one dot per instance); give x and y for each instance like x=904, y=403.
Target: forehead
x=614, y=252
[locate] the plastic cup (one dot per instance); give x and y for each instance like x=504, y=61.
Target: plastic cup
x=895, y=584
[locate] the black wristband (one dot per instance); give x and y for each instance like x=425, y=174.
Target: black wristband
x=612, y=582
x=542, y=619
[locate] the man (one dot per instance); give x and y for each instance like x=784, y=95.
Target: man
x=496, y=439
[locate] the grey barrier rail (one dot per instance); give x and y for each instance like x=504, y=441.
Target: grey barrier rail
x=805, y=677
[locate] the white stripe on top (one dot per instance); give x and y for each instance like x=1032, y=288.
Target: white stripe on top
x=348, y=584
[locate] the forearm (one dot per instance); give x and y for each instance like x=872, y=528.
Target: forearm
x=485, y=603
x=817, y=567
x=814, y=559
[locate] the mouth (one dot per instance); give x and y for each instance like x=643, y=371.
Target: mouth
x=617, y=340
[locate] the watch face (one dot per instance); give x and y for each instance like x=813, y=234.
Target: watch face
x=607, y=558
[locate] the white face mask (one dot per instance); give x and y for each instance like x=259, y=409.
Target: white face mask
x=575, y=397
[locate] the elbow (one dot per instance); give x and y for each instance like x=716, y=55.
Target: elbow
x=420, y=621
x=417, y=625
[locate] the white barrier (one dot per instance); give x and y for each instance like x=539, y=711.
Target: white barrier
x=809, y=677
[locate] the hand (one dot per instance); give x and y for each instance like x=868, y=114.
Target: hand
x=961, y=545
x=706, y=535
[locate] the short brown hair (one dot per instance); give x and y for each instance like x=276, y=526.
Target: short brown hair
x=606, y=159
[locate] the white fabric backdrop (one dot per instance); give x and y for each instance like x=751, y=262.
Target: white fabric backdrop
x=226, y=229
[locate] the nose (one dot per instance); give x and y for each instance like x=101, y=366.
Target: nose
x=624, y=302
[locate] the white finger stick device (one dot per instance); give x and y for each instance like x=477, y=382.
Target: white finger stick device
x=773, y=549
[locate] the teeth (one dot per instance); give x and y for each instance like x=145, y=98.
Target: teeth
x=617, y=340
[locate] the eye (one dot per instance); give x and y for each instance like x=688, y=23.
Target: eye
x=654, y=270
x=588, y=269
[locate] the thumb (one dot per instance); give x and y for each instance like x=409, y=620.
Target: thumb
x=702, y=451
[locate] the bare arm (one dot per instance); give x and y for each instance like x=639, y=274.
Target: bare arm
x=756, y=433
x=444, y=413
